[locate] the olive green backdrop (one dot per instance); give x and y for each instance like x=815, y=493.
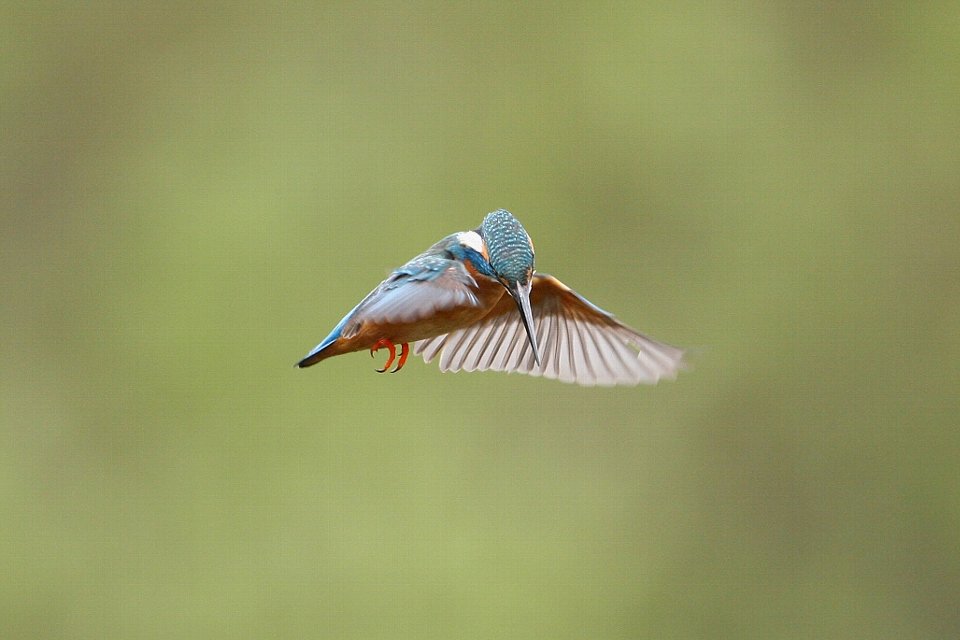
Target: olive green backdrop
x=193, y=196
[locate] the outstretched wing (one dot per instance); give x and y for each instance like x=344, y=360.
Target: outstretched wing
x=578, y=341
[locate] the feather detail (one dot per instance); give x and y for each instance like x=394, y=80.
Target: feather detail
x=579, y=343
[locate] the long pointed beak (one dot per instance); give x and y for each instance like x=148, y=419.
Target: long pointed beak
x=521, y=294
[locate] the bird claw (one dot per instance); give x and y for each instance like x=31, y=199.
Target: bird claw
x=404, y=352
x=383, y=342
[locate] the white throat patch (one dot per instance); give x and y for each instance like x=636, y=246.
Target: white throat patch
x=471, y=239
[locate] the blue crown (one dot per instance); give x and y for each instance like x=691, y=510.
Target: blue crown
x=509, y=247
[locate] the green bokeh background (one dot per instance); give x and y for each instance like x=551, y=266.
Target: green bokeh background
x=192, y=196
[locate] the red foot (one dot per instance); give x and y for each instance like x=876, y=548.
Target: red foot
x=383, y=342
x=404, y=352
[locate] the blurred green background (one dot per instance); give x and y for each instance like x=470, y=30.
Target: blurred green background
x=192, y=196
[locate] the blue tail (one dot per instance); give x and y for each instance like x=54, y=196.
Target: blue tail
x=316, y=355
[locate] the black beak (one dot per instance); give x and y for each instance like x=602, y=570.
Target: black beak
x=521, y=295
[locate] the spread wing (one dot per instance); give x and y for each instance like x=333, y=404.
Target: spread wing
x=578, y=341
x=417, y=290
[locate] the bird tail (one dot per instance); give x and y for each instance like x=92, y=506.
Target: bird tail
x=320, y=352
x=314, y=356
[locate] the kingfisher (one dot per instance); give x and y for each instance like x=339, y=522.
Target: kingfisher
x=475, y=300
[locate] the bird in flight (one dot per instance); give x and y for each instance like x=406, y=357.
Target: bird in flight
x=475, y=300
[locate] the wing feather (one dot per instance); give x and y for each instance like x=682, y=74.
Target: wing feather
x=429, y=348
x=501, y=327
x=418, y=290
x=501, y=360
x=451, y=349
x=575, y=350
x=580, y=343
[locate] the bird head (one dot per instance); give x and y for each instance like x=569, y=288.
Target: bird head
x=511, y=258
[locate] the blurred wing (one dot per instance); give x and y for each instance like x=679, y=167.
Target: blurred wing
x=416, y=291
x=578, y=341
